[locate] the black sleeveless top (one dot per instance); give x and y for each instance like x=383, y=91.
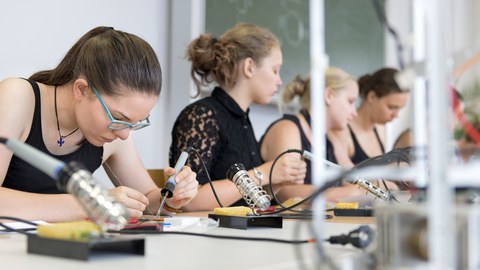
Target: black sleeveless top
x=359, y=155
x=306, y=145
x=22, y=176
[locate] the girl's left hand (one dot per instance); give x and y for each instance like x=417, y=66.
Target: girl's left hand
x=186, y=188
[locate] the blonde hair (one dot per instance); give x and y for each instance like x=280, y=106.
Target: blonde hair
x=335, y=78
x=216, y=60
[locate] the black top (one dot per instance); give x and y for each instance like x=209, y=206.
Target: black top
x=359, y=155
x=306, y=144
x=22, y=176
x=221, y=132
x=330, y=152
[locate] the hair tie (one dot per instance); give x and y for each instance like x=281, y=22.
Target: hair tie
x=300, y=79
x=107, y=28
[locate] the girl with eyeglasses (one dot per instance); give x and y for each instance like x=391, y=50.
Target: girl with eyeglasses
x=83, y=110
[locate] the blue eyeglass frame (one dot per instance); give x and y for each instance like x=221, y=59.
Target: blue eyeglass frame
x=113, y=121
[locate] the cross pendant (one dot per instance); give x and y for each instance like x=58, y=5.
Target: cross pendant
x=60, y=141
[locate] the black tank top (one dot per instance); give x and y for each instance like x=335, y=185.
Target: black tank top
x=306, y=145
x=330, y=153
x=359, y=154
x=22, y=176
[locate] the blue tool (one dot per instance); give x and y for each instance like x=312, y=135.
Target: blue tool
x=167, y=191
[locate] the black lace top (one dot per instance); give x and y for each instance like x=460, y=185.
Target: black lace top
x=221, y=132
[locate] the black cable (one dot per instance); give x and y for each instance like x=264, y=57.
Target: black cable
x=10, y=229
x=361, y=237
x=405, y=155
x=321, y=252
x=402, y=155
x=388, y=190
x=261, y=214
x=397, y=154
x=393, y=157
x=383, y=20
x=262, y=239
x=298, y=251
x=208, y=175
x=270, y=185
x=317, y=192
x=314, y=194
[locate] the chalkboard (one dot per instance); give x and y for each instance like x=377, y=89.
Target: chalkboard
x=354, y=36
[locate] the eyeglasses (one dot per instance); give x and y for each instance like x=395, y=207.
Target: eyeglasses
x=117, y=124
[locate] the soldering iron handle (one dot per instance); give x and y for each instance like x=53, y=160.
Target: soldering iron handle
x=171, y=184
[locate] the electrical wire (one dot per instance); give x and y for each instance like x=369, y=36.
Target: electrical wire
x=297, y=251
x=319, y=246
x=261, y=214
x=383, y=20
x=208, y=175
x=315, y=193
x=10, y=229
x=227, y=237
x=270, y=185
x=397, y=155
x=261, y=239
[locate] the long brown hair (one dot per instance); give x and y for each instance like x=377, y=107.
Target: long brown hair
x=108, y=58
x=381, y=82
x=216, y=60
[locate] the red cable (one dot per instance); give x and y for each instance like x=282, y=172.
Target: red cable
x=471, y=131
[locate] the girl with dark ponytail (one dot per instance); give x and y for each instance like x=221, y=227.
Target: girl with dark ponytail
x=382, y=99
x=83, y=110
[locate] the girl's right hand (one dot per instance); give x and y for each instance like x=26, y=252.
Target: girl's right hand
x=133, y=200
x=289, y=169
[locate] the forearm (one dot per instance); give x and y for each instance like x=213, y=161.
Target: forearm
x=276, y=188
x=46, y=207
x=334, y=194
x=154, y=199
x=205, y=200
x=293, y=191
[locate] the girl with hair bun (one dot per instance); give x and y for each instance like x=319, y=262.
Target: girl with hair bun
x=83, y=110
x=244, y=66
x=294, y=131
